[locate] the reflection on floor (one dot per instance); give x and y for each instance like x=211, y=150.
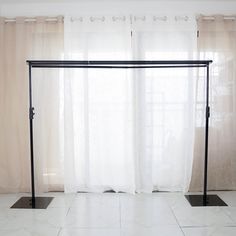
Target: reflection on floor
x=118, y=214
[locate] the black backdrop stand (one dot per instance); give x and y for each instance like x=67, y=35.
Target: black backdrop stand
x=34, y=202
x=205, y=199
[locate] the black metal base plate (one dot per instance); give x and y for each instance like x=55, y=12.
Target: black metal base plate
x=211, y=200
x=27, y=203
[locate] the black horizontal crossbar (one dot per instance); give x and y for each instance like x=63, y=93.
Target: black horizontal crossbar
x=113, y=67
x=118, y=64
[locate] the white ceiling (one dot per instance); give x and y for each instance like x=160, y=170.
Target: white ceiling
x=73, y=1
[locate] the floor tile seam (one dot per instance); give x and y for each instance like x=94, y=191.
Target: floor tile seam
x=228, y=214
x=176, y=220
x=209, y=226
x=92, y=228
x=120, y=212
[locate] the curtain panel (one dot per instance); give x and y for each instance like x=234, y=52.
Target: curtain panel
x=217, y=41
x=164, y=103
x=98, y=103
x=19, y=41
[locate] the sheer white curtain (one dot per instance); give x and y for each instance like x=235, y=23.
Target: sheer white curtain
x=217, y=41
x=98, y=107
x=165, y=103
x=128, y=130
x=19, y=41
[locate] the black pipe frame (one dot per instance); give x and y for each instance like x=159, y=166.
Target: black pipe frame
x=195, y=200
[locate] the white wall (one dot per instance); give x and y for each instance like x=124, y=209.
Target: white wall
x=119, y=7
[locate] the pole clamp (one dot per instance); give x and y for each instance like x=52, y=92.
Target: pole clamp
x=31, y=113
x=208, y=112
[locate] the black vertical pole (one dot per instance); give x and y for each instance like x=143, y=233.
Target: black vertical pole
x=206, y=137
x=31, y=117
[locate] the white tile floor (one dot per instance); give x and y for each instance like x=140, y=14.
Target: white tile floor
x=113, y=214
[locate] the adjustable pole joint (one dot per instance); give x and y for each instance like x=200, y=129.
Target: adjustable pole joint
x=207, y=112
x=31, y=113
